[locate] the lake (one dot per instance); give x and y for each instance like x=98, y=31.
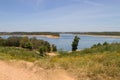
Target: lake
x=65, y=41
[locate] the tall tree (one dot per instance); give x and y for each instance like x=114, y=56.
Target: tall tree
x=54, y=48
x=75, y=43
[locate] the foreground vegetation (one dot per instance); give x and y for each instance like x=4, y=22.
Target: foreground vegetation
x=16, y=53
x=101, y=62
x=28, y=43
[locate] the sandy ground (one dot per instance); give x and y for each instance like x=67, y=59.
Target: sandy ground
x=48, y=36
x=107, y=36
x=21, y=70
x=52, y=54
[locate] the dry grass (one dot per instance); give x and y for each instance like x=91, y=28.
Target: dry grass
x=99, y=63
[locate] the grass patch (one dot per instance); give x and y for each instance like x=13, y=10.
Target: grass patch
x=96, y=63
x=7, y=53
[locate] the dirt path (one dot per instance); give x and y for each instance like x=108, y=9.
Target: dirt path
x=21, y=70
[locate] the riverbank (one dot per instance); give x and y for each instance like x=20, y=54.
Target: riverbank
x=108, y=36
x=47, y=36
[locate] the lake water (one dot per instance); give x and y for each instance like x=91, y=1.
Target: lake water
x=65, y=41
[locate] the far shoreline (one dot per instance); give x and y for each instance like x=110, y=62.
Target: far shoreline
x=47, y=36
x=108, y=36
x=52, y=36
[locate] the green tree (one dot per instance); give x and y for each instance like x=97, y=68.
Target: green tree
x=28, y=45
x=42, y=50
x=48, y=47
x=2, y=42
x=105, y=43
x=23, y=42
x=75, y=43
x=54, y=49
x=36, y=43
x=13, y=41
x=99, y=44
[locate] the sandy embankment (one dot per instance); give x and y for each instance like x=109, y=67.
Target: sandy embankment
x=48, y=36
x=100, y=36
x=21, y=70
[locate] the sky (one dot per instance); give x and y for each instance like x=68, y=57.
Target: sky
x=59, y=15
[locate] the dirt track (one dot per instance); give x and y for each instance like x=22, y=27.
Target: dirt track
x=21, y=70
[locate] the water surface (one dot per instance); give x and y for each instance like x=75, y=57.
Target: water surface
x=65, y=41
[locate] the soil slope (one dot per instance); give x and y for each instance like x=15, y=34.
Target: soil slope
x=21, y=70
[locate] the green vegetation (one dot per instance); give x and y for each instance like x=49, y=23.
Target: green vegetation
x=31, y=44
x=75, y=43
x=103, y=33
x=100, y=62
x=54, y=48
x=42, y=50
x=8, y=53
x=30, y=33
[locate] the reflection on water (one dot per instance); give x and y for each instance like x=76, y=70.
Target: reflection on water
x=65, y=41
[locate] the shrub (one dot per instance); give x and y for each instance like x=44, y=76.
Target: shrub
x=28, y=45
x=47, y=45
x=54, y=49
x=23, y=42
x=105, y=43
x=42, y=50
x=13, y=41
x=2, y=42
x=36, y=43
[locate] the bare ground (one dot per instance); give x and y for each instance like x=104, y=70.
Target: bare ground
x=21, y=70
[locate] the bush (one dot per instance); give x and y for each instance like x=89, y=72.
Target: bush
x=25, y=42
x=2, y=42
x=54, y=49
x=47, y=46
x=13, y=41
x=28, y=45
x=36, y=43
x=42, y=50
x=105, y=43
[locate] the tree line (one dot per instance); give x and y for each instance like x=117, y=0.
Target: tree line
x=34, y=44
x=95, y=33
x=28, y=43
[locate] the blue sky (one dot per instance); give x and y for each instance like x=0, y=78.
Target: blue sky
x=59, y=15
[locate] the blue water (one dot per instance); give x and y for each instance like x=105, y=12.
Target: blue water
x=65, y=41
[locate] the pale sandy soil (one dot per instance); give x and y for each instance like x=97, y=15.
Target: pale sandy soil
x=21, y=70
x=48, y=36
x=52, y=54
x=101, y=36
